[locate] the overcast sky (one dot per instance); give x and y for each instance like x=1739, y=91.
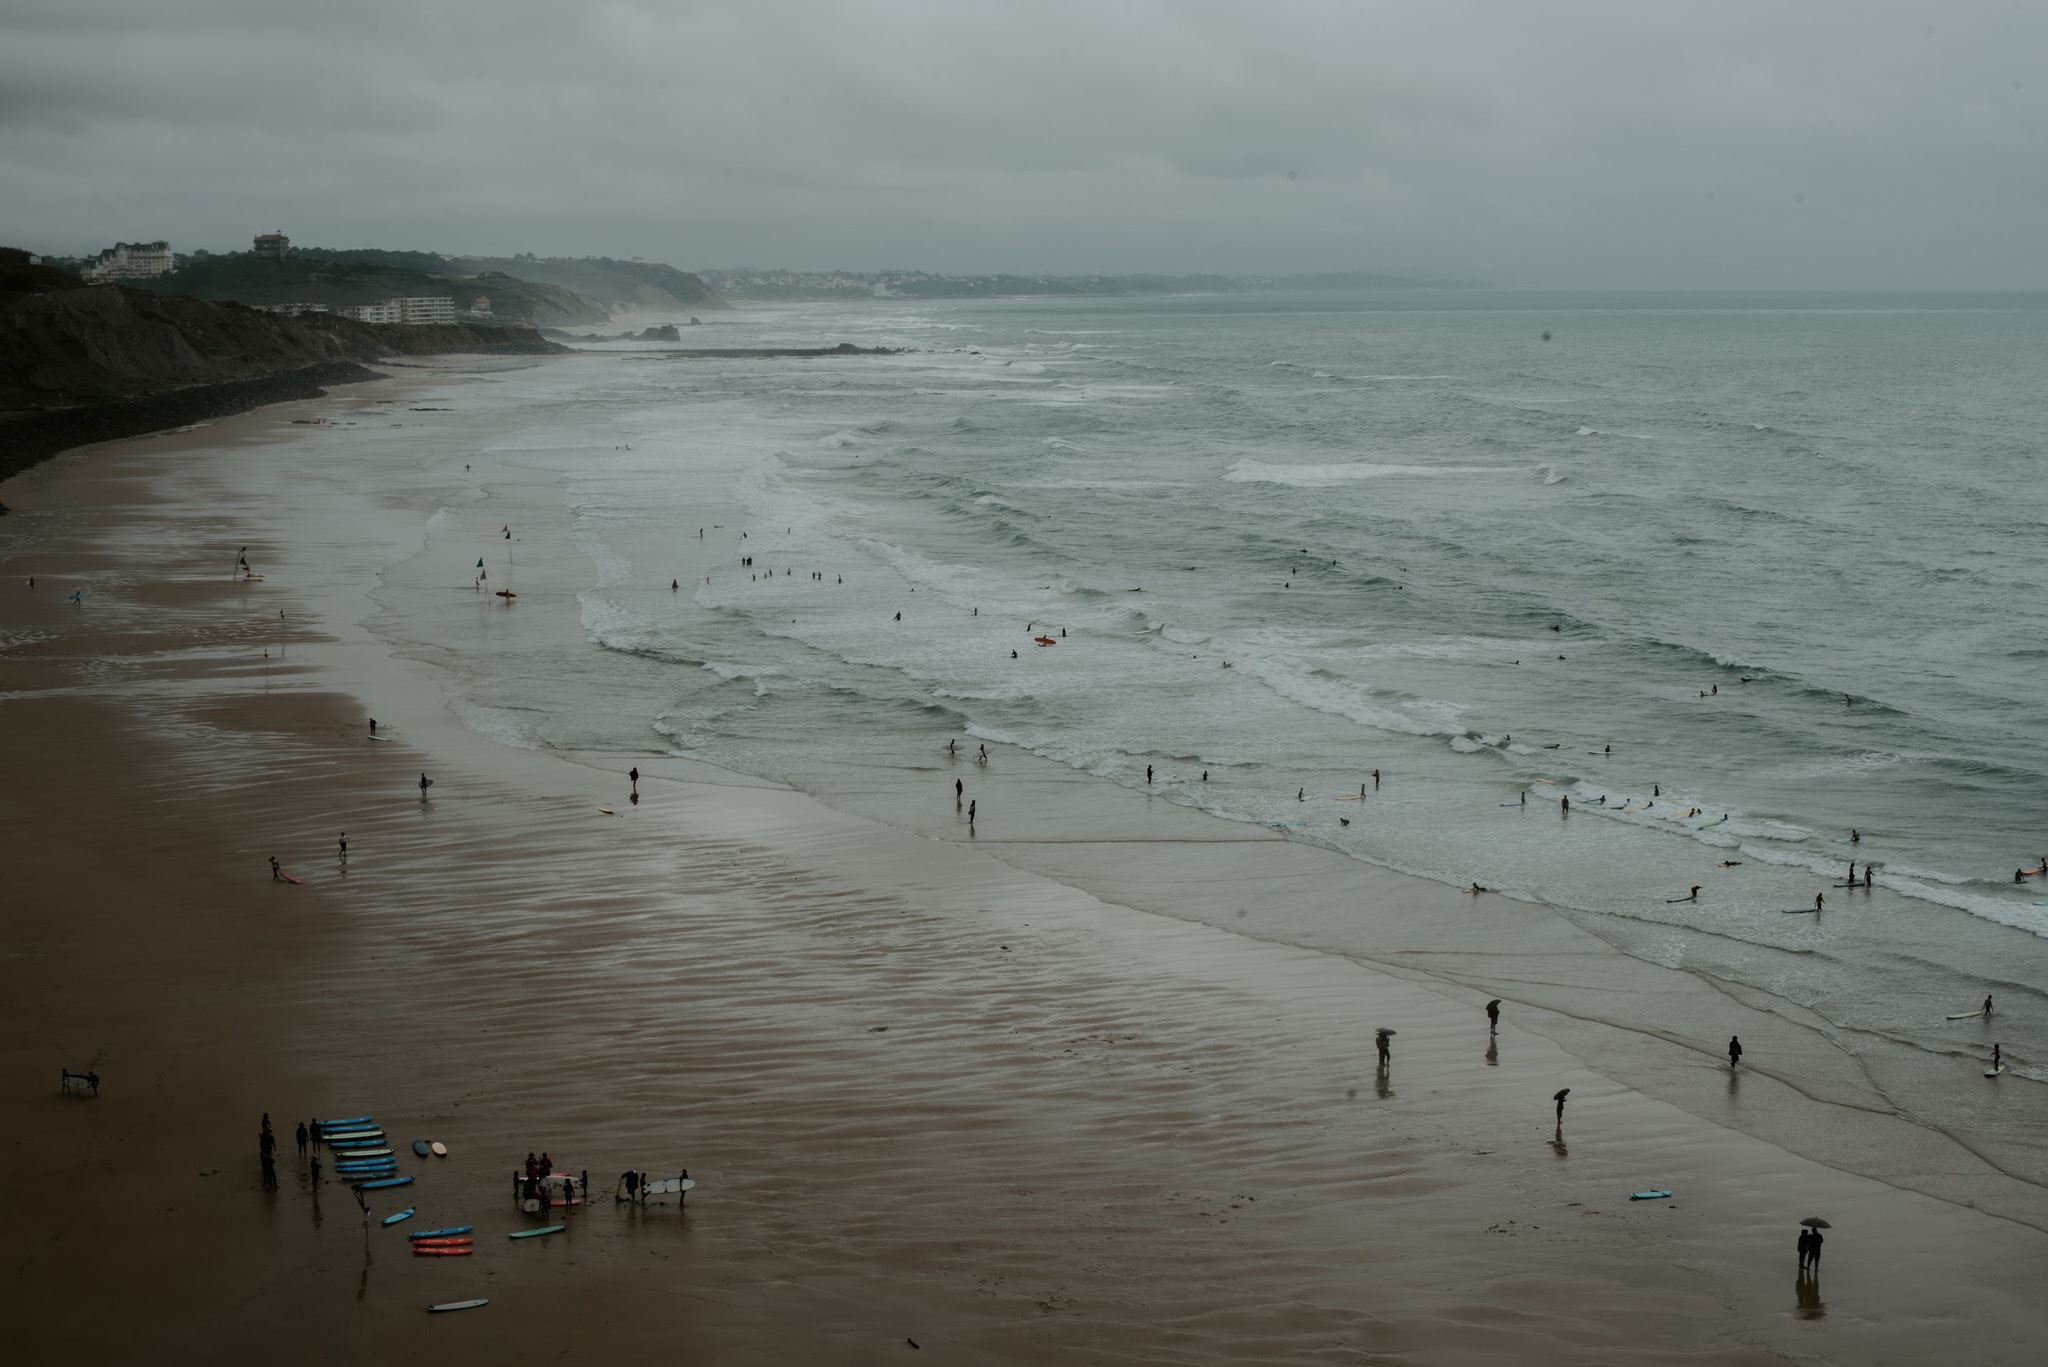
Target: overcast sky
x=1837, y=143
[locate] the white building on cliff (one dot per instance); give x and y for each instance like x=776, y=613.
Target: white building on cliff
x=130, y=261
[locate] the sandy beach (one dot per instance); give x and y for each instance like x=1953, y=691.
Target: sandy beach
x=1039, y=1092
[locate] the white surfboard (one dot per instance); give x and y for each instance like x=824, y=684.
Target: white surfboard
x=1994, y=1072
x=1965, y=1015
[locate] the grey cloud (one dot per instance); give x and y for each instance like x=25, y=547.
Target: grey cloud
x=1825, y=144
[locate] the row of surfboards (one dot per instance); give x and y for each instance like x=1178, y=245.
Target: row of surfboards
x=361, y=1156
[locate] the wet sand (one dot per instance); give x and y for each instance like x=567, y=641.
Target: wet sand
x=998, y=1106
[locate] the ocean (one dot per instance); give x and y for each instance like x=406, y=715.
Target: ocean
x=1757, y=582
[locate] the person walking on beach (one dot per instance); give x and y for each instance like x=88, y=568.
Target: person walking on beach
x=1559, y=1096
x=959, y=791
x=1493, y=1016
x=373, y=726
x=313, y=1164
x=302, y=1139
x=344, y=847
x=1819, y=900
x=633, y=775
x=1813, y=1251
x=1565, y=805
x=970, y=813
x=425, y=783
x=1148, y=773
x=1734, y=1051
x=313, y=1132
x=269, y=1170
x=1805, y=1249
x=276, y=870
x=1381, y=1038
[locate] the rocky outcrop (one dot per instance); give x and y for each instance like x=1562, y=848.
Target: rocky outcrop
x=92, y=363
x=68, y=347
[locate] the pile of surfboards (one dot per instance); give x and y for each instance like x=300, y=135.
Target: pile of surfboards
x=452, y=1242
x=362, y=1158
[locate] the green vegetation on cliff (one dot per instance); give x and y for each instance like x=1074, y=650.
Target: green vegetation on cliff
x=64, y=344
x=641, y=286
x=317, y=276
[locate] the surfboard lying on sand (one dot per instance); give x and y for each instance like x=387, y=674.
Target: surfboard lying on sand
x=440, y=1149
x=419, y=1146
x=534, y=1233
x=349, y=1155
x=386, y=1182
x=327, y=1125
x=405, y=1214
x=447, y=1233
x=1648, y=1195
x=446, y=1306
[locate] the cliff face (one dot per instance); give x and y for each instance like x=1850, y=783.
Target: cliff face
x=67, y=347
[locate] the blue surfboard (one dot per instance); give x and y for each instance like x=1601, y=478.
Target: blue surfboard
x=387, y=1182
x=439, y=1233
x=405, y=1214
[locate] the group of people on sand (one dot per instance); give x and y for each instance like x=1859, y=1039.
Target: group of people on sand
x=535, y=1188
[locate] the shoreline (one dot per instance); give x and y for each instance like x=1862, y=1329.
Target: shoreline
x=1043, y=1149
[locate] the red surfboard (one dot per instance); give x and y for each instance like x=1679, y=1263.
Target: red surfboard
x=439, y=1251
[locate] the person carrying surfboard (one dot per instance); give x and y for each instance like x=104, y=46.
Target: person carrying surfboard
x=276, y=870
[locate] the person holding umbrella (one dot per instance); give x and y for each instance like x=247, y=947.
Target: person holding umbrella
x=1380, y=1037
x=1814, y=1225
x=1559, y=1097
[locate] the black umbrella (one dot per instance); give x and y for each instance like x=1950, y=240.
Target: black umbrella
x=1562, y=1093
x=1384, y=1031
x=1815, y=1222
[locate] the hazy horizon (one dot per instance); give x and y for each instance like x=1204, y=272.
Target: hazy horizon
x=1577, y=146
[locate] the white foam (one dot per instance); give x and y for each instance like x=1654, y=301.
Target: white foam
x=1248, y=471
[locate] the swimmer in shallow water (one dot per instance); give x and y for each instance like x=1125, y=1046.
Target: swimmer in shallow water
x=1731, y=863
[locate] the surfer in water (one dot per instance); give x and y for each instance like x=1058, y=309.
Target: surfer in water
x=1819, y=900
x=425, y=783
x=1987, y=1008
x=1475, y=888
